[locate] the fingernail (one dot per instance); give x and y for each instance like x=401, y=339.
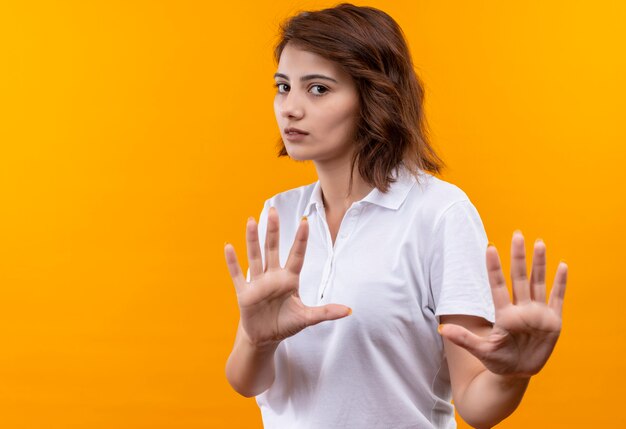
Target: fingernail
x=490, y=244
x=226, y=243
x=349, y=311
x=563, y=261
x=439, y=328
x=539, y=240
x=251, y=218
x=517, y=231
x=304, y=218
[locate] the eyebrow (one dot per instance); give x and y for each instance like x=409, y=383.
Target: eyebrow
x=307, y=77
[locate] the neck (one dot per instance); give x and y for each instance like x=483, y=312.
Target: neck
x=335, y=183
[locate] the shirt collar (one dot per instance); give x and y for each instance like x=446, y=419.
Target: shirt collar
x=392, y=199
x=397, y=193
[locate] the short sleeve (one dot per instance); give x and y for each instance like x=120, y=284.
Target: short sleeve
x=458, y=269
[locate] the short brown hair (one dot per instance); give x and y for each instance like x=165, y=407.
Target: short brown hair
x=370, y=46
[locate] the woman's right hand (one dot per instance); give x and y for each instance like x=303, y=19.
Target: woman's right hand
x=269, y=304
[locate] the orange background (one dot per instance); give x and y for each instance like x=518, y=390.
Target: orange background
x=136, y=137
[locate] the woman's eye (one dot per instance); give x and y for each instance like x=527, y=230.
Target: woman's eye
x=318, y=90
x=282, y=87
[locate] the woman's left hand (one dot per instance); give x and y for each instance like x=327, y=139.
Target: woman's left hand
x=525, y=330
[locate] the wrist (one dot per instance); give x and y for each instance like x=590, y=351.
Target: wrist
x=259, y=347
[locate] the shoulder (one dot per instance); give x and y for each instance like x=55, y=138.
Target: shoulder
x=438, y=192
x=293, y=195
x=291, y=206
x=292, y=202
x=433, y=197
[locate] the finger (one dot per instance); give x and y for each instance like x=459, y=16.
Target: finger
x=521, y=289
x=315, y=315
x=296, y=255
x=465, y=338
x=255, y=259
x=499, y=291
x=557, y=295
x=538, y=273
x=234, y=269
x=272, y=260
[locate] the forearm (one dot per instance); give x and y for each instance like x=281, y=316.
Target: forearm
x=250, y=369
x=490, y=398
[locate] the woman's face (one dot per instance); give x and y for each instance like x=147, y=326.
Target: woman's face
x=318, y=98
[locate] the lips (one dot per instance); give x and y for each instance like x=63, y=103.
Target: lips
x=294, y=131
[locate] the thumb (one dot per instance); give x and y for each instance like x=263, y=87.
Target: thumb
x=462, y=337
x=315, y=315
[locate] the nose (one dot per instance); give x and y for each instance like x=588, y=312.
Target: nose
x=291, y=106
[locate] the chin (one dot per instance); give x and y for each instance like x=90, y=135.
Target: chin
x=295, y=154
x=298, y=157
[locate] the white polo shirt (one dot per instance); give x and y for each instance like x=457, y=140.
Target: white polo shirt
x=400, y=260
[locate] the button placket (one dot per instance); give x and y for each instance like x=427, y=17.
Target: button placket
x=348, y=224
x=345, y=229
x=327, y=277
x=328, y=266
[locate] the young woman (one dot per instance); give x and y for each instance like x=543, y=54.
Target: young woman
x=377, y=238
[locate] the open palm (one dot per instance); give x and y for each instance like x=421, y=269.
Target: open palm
x=525, y=330
x=269, y=304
